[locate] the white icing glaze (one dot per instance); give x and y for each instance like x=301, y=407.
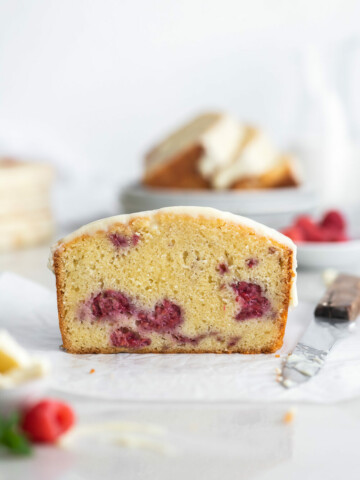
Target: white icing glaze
x=255, y=158
x=196, y=212
x=220, y=145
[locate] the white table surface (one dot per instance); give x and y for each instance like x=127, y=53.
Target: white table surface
x=210, y=441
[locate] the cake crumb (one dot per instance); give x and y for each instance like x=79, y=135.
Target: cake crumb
x=277, y=356
x=289, y=416
x=92, y=370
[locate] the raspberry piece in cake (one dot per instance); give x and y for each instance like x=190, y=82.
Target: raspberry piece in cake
x=222, y=268
x=252, y=262
x=150, y=300
x=253, y=303
x=165, y=318
x=121, y=241
x=110, y=303
x=125, y=337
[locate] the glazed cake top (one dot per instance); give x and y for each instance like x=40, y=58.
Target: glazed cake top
x=196, y=212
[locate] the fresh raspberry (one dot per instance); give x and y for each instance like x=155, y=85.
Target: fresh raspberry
x=110, y=303
x=333, y=235
x=47, y=420
x=125, y=337
x=165, y=317
x=252, y=262
x=253, y=303
x=333, y=220
x=294, y=233
x=310, y=230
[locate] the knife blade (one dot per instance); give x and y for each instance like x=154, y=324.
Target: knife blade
x=333, y=320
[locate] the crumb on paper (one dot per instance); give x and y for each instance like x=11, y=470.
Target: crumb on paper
x=277, y=356
x=287, y=383
x=289, y=416
x=92, y=370
x=329, y=275
x=142, y=442
x=133, y=435
x=279, y=377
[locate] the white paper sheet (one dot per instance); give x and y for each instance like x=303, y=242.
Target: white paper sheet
x=29, y=312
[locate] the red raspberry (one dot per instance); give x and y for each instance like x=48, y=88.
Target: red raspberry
x=294, y=233
x=47, y=420
x=333, y=220
x=333, y=235
x=310, y=230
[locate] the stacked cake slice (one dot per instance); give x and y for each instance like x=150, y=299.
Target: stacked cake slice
x=25, y=214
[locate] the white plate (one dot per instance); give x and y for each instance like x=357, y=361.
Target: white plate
x=275, y=208
x=329, y=254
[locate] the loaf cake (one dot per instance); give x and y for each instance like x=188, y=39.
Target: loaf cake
x=25, y=213
x=215, y=151
x=179, y=279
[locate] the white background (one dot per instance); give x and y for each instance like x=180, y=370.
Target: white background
x=91, y=84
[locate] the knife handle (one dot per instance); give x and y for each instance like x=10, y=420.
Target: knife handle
x=341, y=300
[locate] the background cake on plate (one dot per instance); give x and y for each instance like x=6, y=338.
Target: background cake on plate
x=179, y=279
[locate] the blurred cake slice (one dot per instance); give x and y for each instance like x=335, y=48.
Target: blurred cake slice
x=284, y=173
x=214, y=151
x=192, y=154
x=25, y=211
x=257, y=165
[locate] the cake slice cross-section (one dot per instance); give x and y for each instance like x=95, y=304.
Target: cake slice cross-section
x=179, y=279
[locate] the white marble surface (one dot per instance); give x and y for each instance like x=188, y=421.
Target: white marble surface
x=206, y=440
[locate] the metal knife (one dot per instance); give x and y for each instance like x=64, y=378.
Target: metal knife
x=333, y=320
